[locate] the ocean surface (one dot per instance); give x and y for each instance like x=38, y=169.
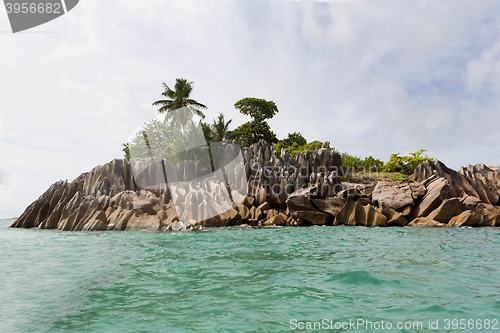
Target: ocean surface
x=239, y=280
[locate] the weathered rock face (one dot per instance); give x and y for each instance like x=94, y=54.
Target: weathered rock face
x=394, y=196
x=306, y=205
x=472, y=219
x=426, y=222
x=438, y=190
x=331, y=206
x=265, y=190
x=319, y=161
x=394, y=219
x=478, y=181
x=448, y=209
x=355, y=214
x=110, y=198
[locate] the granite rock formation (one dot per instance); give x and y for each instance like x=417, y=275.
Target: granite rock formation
x=267, y=189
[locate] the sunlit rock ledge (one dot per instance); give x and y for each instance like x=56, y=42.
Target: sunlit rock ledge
x=302, y=190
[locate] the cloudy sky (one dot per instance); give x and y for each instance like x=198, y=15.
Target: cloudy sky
x=371, y=77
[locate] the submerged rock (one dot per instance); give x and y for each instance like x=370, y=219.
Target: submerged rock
x=426, y=222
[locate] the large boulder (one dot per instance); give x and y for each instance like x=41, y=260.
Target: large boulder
x=142, y=210
x=312, y=217
x=394, y=196
x=300, y=200
x=279, y=219
x=448, y=209
x=472, y=219
x=470, y=181
x=353, y=214
x=331, y=205
x=438, y=190
x=489, y=177
x=426, y=222
x=394, y=219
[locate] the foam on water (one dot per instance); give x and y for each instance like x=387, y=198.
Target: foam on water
x=234, y=280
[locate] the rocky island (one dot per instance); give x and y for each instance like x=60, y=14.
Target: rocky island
x=305, y=189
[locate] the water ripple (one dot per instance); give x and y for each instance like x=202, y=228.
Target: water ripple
x=238, y=280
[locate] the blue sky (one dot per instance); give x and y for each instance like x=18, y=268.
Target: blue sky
x=371, y=77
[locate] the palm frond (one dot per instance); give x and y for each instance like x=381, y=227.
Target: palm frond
x=162, y=102
x=193, y=102
x=198, y=112
x=168, y=92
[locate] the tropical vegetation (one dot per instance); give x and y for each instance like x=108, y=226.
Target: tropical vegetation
x=256, y=129
x=169, y=138
x=178, y=99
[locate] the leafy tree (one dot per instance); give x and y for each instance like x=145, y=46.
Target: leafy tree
x=159, y=140
x=406, y=164
x=293, y=142
x=179, y=98
x=252, y=132
x=354, y=163
x=257, y=108
x=257, y=129
x=295, y=137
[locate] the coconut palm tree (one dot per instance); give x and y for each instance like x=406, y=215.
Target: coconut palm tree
x=220, y=128
x=179, y=99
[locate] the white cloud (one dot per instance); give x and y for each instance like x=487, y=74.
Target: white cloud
x=479, y=71
x=373, y=78
x=9, y=193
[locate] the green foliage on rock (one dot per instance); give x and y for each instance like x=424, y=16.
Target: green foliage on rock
x=295, y=137
x=257, y=129
x=295, y=147
x=126, y=150
x=406, y=164
x=313, y=146
x=294, y=140
x=159, y=140
x=354, y=163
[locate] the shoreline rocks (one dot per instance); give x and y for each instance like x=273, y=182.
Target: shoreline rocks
x=302, y=190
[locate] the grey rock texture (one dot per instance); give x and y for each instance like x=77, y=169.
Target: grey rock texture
x=264, y=190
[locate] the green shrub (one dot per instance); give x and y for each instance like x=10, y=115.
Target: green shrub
x=295, y=137
x=293, y=142
x=297, y=148
x=354, y=163
x=405, y=164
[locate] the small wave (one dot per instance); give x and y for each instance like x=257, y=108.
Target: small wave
x=358, y=278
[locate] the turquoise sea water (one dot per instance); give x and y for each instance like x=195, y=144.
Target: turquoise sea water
x=235, y=280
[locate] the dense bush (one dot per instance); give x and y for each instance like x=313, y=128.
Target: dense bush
x=257, y=129
x=298, y=148
x=295, y=140
x=295, y=137
x=354, y=163
x=405, y=164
